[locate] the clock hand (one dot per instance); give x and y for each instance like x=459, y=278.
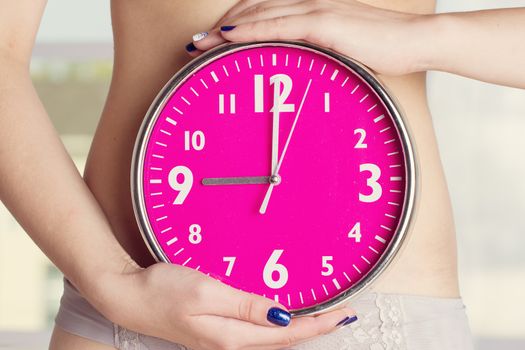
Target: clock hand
x=244, y=180
x=275, y=126
x=264, y=204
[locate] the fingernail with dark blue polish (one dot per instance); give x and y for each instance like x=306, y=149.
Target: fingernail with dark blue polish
x=227, y=28
x=342, y=321
x=278, y=316
x=346, y=321
x=350, y=320
x=190, y=47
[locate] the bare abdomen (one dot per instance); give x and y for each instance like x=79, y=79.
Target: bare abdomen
x=149, y=48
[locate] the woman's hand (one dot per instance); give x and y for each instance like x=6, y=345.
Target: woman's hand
x=185, y=306
x=383, y=40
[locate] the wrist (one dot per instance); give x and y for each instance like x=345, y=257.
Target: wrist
x=113, y=293
x=436, y=32
x=102, y=286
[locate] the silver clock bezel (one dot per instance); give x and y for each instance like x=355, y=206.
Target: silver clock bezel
x=412, y=172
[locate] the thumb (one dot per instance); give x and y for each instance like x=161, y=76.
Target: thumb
x=230, y=302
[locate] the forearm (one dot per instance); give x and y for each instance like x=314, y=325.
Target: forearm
x=484, y=45
x=41, y=187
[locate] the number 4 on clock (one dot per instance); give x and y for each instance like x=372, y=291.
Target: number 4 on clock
x=355, y=232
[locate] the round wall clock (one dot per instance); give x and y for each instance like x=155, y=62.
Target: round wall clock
x=279, y=168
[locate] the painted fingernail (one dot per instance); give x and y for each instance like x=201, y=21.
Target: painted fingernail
x=342, y=321
x=190, y=47
x=199, y=36
x=227, y=28
x=346, y=321
x=278, y=316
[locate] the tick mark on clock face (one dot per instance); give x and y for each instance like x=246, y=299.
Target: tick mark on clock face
x=210, y=158
x=166, y=229
x=171, y=241
x=334, y=74
x=214, y=76
x=185, y=100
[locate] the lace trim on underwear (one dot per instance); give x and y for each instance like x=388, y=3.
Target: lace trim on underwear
x=130, y=340
x=126, y=339
x=380, y=327
x=390, y=312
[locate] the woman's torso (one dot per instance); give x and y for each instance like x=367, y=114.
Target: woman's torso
x=150, y=37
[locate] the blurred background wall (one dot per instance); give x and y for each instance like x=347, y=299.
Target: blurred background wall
x=479, y=128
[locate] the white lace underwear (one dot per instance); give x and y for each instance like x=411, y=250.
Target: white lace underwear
x=385, y=322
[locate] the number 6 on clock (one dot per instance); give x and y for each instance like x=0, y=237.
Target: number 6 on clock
x=273, y=266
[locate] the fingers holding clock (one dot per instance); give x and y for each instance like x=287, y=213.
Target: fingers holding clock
x=268, y=9
x=387, y=41
x=243, y=5
x=192, y=309
x=227, y=301
x=294, y=27
x=218, y=299
x=274, y=19
x=238, y=334
x=302, y=329
x=291, y=27
x=246, y=12
x=206, y=40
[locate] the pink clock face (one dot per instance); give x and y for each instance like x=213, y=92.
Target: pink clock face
x=333, y=207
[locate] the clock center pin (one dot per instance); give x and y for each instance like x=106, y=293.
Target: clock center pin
x=275, y=179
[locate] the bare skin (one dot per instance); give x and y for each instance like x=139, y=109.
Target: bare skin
x=90, y=227
x=143, y=63
x=41, y=187
x=142, y=66
x=427, y=265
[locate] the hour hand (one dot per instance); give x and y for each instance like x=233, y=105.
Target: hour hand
x=245, y=180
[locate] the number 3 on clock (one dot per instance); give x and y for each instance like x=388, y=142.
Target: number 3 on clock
x=371, y=182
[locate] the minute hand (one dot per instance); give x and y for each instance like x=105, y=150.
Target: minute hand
x=264, y=204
